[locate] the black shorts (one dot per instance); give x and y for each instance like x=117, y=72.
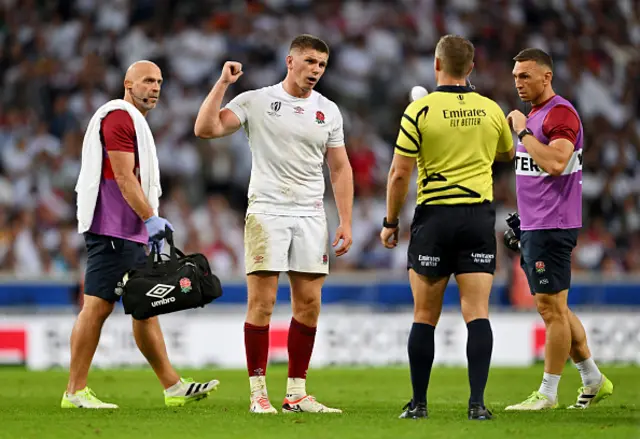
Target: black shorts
x=545, y=257
x=453, y=239
x=108, y=259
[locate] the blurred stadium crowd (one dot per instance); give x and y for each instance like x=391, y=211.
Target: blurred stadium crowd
x=61, y=60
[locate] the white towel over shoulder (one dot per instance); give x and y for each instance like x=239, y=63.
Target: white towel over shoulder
x=91, y=170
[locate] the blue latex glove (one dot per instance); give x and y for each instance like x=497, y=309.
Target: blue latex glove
x=155, y=228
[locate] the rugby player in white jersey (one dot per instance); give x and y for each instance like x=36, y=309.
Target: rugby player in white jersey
x=291, y=129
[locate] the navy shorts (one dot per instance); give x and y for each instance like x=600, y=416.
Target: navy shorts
x=545, y=257
x=108, y=259
x=453, y=239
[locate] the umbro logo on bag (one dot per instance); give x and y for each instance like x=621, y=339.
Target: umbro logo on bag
x=160, y=290
x=163, y=301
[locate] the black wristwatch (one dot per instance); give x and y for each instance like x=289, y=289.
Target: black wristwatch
x=524, y=132
x=389, y=225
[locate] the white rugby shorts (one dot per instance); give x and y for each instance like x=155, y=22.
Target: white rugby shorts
x=286, y=243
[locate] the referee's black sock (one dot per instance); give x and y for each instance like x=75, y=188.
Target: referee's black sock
x=479, y=347
x=421, y=351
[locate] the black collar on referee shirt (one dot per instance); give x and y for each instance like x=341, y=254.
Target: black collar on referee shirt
x=454, y=89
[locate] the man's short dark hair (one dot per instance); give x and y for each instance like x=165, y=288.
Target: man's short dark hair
x=306, y=41
x=456, y=55
x=541, y=57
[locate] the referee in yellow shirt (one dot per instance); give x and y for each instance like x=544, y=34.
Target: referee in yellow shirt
x=454, y=135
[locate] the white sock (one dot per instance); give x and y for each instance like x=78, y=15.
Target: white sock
x=296, y=386
x=549, y=386
x=589, y=372
x=258, y=384
x=174, y=388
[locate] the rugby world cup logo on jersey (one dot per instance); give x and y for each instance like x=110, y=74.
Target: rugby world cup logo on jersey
x=160, y=291
x=275, y=107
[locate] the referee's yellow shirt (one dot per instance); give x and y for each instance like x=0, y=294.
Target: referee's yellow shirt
x=454, y=133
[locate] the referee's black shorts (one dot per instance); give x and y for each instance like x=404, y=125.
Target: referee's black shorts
x=453, y=239
x=108, y=259
x=545, y=257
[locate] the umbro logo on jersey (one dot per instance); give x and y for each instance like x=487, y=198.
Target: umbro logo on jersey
x=298, y=110
x=275, y=107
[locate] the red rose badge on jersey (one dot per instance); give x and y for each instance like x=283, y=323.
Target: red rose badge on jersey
x=319, y=117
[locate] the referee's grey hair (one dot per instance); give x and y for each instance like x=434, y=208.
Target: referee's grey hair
x=540, y=57
x=456, y=55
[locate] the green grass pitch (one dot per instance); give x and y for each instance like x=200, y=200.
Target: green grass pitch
x=372, y=399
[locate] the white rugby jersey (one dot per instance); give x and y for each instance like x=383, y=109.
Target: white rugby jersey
x=289, y=137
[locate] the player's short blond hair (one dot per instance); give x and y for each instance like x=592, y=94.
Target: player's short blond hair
x=306, y=41
x=455, y=54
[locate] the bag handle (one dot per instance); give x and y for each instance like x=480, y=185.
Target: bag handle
x=154, y=256
x=174, y=252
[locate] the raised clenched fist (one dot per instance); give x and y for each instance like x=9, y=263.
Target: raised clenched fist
x=231, y=71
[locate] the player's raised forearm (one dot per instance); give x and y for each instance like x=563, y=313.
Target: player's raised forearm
x=208, y=123
x=342, y=183
x=397, y=190
x=551, y=159
x=134, y=196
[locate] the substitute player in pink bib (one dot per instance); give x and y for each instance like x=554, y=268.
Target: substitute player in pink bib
x=549, y=193
x=291, y=129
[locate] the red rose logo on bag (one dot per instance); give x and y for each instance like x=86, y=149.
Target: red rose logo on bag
x=185, y=285
x=319, y=117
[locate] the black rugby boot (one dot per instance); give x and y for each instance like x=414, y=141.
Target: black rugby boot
x=414, y=411
x=479, y=412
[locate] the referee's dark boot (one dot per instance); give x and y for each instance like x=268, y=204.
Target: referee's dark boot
x=414, y=411
x=479, y=412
